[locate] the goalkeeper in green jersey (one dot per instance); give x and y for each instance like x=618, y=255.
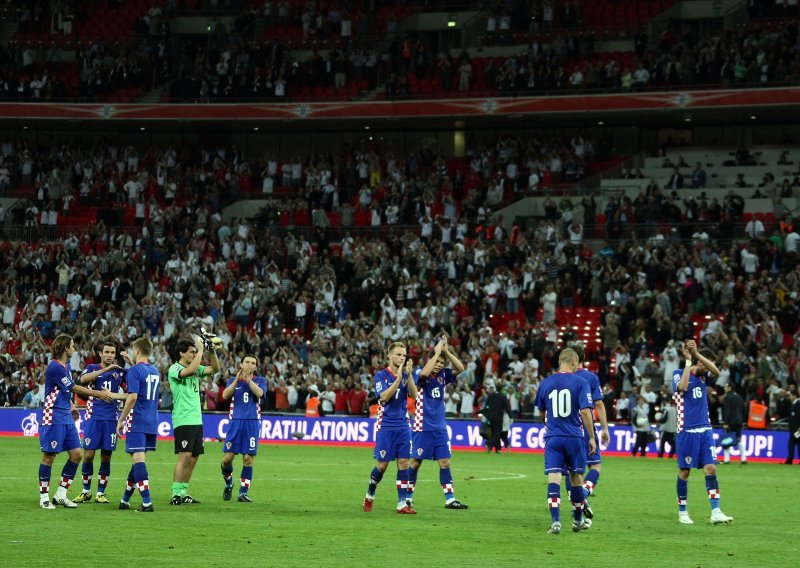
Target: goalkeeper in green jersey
x=187, y=418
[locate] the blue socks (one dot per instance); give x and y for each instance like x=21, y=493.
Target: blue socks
x=44, y=478
x=683, y=492
x=374, y=479
x=576, y=496
x=102, y=476
x=130, y=487
x=87, y=471
x=227, y=474
x=554, y=501
x=412, y=483
x=590, y=481
x=67, y=475
x=139, y=471
x=402, y=487
x=446, y=479
x=712, y=487
x=247, y=476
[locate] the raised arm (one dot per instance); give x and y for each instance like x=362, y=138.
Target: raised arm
x=215, y=365
x=192, y=368
x=688, y=369
x=257, y=391
x=431, y=363
x=707, y=363
x=227, y=392
x=87, y=378
x=412, y=386
x=387, y=395
x=458, y=366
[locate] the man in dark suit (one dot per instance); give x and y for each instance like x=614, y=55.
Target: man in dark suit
x=794, y=427
x=733, y=418
x=495, y=407
x=698, y=177
x=675, y=180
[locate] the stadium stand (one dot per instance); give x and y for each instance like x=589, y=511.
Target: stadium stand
x=516, y=244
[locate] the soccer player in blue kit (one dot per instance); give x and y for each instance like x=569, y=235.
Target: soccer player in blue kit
x=393, y=385
x=100, y=421
x=565, y=402
x=245, y=391
x=695, y=444
x=429, y=438
x=58, y=432
x=594, y=460
x=141, y=413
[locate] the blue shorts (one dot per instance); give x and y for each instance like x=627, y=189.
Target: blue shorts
x=100, y=435
x=595, y=458
x=696, y=449
x=242, y=437
x=57, y=438
x=564, y=453
x=139, y=442
x=433, y=445
x=392, y=444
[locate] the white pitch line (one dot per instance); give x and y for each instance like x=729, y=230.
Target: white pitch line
x=509, y=477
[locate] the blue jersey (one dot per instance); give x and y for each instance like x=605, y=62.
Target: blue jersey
x=244, y=404
x=563, y=396
x=58, y=385
x=144, y=380
x=97, y=409
x=429, y=414
x=394, y=413
x=593, y=383
x=692, y=404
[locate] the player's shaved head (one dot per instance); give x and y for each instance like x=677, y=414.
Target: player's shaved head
x=568, y=357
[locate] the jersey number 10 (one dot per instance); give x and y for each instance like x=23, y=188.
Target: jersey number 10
x=560, y=403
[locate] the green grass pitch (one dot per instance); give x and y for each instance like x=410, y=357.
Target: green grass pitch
x=307, y=512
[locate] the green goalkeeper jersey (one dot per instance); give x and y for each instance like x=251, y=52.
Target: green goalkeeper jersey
x=186, y=410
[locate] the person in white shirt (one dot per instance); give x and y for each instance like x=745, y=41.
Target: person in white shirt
x=575, y=231
x=533, y=180
x=749, y=261
x=549, y=304
x=328, y=400
x=754, y=228
x=791, y=241
x=56, y=309
x=451, y=405
x=467, y=401
x=576, y=79
x=267, y=185
x=669, y=363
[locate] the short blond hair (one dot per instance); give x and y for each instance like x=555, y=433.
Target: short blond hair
x=568, y=356
x=144, y=346
x=396, y=345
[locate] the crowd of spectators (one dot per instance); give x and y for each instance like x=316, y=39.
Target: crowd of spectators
x=318, y=309
x=237, y=62
x=361, y=178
